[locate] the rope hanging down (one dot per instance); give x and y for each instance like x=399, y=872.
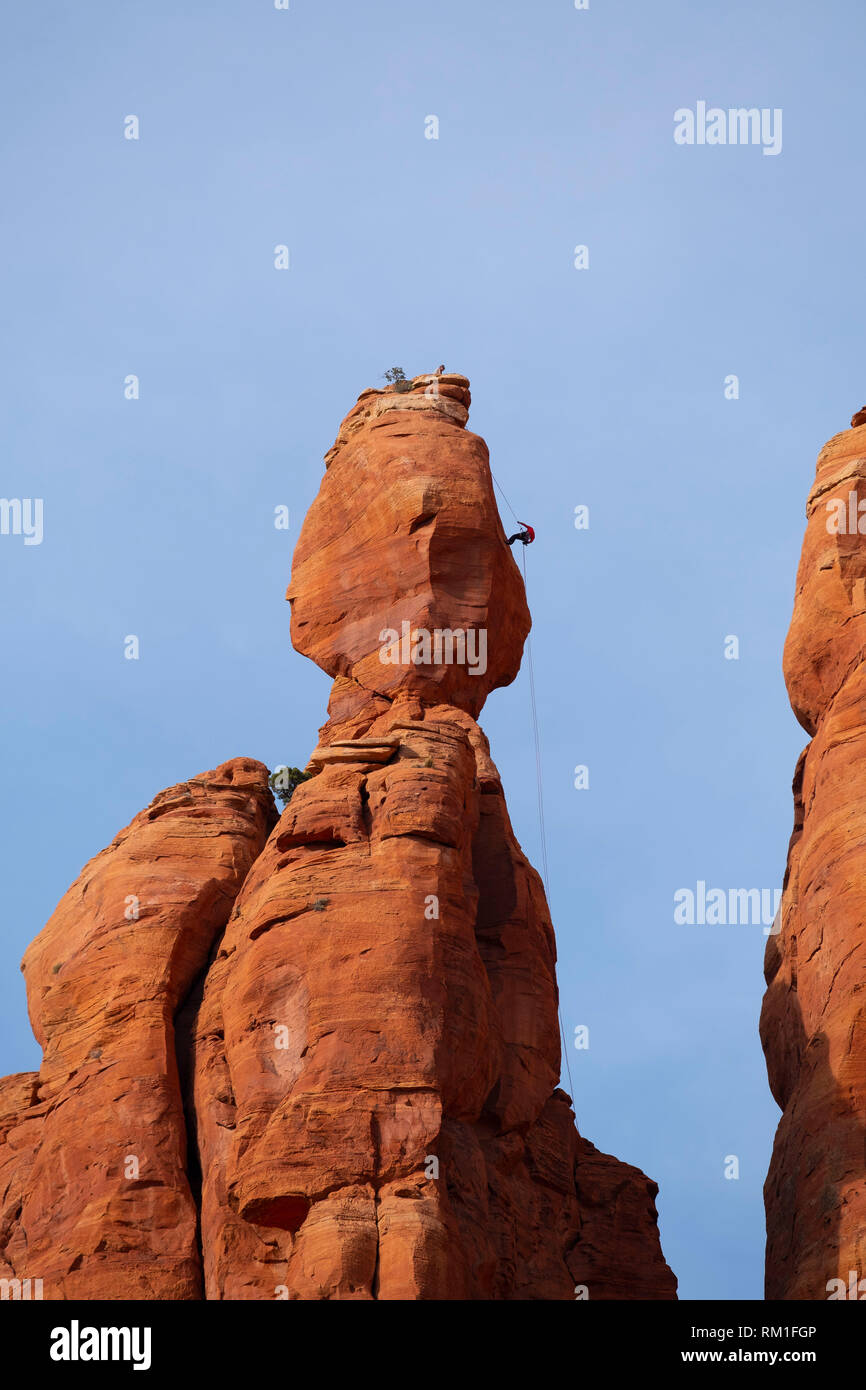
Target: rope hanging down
x=540, y=782
x=544, y=861
x=507, y=503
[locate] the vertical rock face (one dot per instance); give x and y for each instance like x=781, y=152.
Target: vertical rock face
x=95, y=1197
x=331, y=1042
x=813, y=1022
x=377, y=1047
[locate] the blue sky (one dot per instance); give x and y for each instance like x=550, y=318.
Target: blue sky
x=602, y=387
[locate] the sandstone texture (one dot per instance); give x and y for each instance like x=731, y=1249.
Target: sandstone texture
x=405, y=529
x=332, y=1040
x=813, y=1022
x=95, y=1196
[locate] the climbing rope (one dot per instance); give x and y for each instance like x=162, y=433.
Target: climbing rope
x=538, y=774
x=540, y=781
x=507, y=503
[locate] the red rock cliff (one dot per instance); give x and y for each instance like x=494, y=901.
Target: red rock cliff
x=370, y=1060
x=813, y=1022
x=95, y=1197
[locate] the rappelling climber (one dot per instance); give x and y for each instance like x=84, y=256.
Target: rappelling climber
x=527, y=535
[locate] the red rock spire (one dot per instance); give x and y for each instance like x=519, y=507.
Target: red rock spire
x=409, y=1141
x=370, y=1060
x=813, y=1025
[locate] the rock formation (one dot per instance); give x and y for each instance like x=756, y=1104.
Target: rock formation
x=95, y=1197
x=368, y=1057
x=813, y=1022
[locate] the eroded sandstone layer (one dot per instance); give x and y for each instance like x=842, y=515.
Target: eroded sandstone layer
x=813, y=1022
x=368, y=1053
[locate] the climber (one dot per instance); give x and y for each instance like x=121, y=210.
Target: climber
x=440, y=369
x=527, y=535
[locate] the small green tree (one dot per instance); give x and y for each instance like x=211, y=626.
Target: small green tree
x=395, y=374
x=284, y=781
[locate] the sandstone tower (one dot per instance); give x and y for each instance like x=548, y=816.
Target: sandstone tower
x=330, y=1041
x=813, y=1022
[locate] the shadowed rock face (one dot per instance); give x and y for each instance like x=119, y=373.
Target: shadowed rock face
x=356, y=1006
x=813, y=1024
